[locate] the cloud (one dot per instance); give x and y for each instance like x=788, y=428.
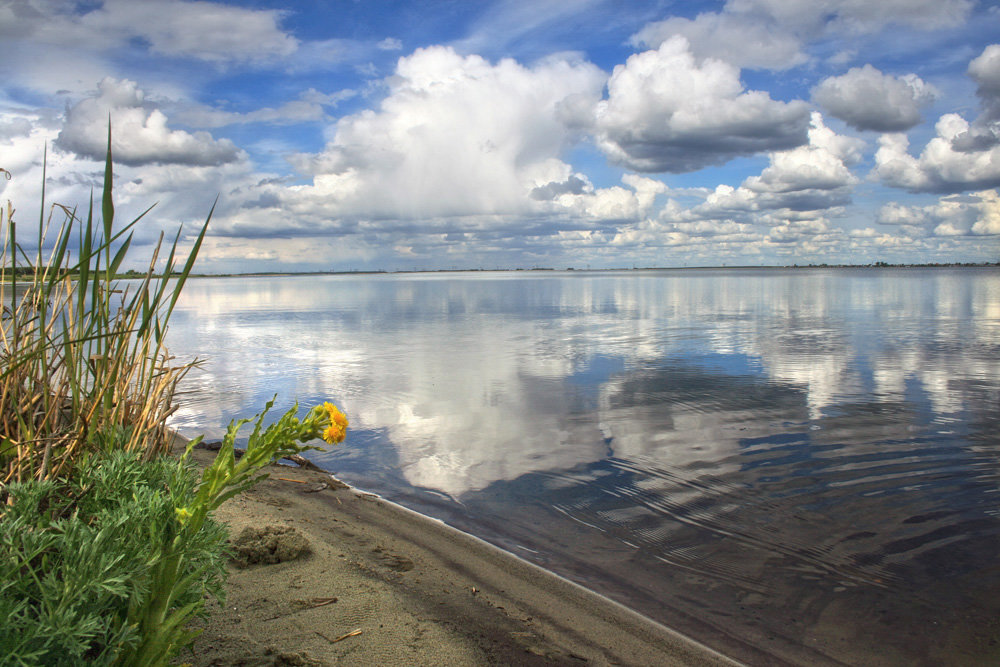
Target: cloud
x=975, y=214
x=667, y=113
x=940, y=167
x=455, y=136
x=797, y=231
x=140, y=134
x=988, y=222
x=613, y=204
x=208, y=31
x=183, y=194
x=773, y=34
x=985, y=71
x=867, y=99
x=984, y=132
x=963, y=155
x=576, y=184
x=854, y=16
x=729, y=37
x=783, y=210
x=308, y=108
x=608, y=204
x=14, y=127
x=947, y=229
x=808, y=178
x=390, y=44
x=646, y=190
x=895, y=213
x=576, y=195
x=23, y=134
x=522, y=22
x=822, y=164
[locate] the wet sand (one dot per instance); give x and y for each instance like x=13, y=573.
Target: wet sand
x=381, y=585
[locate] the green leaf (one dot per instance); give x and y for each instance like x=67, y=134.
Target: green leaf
x=107, y=206
x=192, y=256
x=120, y=256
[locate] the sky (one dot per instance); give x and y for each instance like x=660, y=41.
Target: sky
x=377, y=135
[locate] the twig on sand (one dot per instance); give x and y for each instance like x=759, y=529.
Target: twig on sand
x=352, y=633
x=311, y=604
x=304, y=463
x=321, y=602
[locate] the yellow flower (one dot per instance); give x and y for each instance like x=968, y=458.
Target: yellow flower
x=183, y=514
x=337, y=429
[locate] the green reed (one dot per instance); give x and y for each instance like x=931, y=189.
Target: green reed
x=80, y=351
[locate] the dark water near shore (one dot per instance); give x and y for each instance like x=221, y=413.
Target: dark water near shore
x=787, y=464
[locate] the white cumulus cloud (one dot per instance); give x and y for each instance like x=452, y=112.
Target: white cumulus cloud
x=807, y=178
x=456, y=136
x=615, y=203
x=939, y=167
x=988, y=220
x=984, y=132
x=140, y=134
x=895, y=213
x=976, y=214
x=867, y=99
x=963, y=155
x=985, y=71
x=666, y=112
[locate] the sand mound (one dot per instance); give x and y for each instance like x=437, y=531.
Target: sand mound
x=268, y=545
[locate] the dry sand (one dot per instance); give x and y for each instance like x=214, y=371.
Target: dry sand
x=381, y=585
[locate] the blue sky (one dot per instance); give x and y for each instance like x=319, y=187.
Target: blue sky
x=424, y=135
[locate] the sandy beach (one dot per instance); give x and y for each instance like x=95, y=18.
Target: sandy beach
x=381, y=585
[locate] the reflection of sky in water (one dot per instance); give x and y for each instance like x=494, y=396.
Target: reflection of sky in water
x=754, y=427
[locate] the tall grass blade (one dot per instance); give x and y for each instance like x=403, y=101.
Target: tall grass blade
x=189, y=264
x=120, y=256
x=107, y=206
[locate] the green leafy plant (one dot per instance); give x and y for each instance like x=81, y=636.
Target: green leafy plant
x=109, y=566
x=162, y=621
x=75, y=558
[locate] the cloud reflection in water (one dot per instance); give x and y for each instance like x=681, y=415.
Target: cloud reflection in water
x=773, y=433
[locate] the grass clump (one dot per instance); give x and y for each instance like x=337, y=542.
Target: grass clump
x=80, y=352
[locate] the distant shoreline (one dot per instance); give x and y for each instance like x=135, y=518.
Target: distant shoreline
x=877, y=265
x=135, y=275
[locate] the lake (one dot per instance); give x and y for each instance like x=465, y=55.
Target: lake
x=796, y=465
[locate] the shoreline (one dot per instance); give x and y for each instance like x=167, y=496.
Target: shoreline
x=418, y=590
x=583, y=271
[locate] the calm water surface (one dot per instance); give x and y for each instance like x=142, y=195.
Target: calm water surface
x=797, y=465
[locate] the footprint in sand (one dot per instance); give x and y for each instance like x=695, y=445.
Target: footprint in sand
x=392, y=561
